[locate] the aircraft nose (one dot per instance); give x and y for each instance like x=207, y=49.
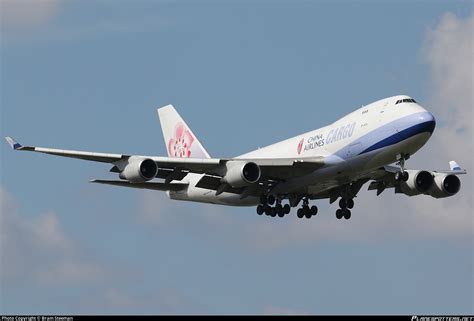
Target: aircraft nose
x=429, y=120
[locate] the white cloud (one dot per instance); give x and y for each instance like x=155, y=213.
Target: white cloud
x=449, y=50
x=37, y=249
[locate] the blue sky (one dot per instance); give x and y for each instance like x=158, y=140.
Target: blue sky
x=89, y=75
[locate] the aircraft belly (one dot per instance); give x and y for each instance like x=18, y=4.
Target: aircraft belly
x=344, y=171
x=335, y=174
x=201, y=195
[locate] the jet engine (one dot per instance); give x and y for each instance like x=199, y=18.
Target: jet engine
x=239, y=173
x=419, y=182
x=445, y=185
x=139, y=170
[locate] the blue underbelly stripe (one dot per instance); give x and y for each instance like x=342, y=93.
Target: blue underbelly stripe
x=402, y=135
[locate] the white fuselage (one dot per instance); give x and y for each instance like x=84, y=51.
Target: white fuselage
x=366, y=139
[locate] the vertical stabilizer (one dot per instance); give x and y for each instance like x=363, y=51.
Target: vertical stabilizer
x=179, y=138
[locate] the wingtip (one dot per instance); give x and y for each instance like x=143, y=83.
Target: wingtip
x=13, y=143
x=454, y=165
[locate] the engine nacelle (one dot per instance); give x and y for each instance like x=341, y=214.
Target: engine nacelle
x=240, y=173
x=445, y=185
x=419, y=182
x=139, y=170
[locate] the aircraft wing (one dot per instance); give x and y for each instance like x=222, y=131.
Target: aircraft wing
x=456, y=170
x=148, y=185
x=384, y=177
x=96, y=157
x=198, y=165
x=276, y=169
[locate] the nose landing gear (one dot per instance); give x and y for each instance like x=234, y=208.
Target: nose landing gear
x=402, y=175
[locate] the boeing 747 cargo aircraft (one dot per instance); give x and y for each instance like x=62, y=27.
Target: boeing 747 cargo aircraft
x=332, y=162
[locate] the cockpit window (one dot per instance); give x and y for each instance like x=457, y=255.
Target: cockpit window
x=407, y=100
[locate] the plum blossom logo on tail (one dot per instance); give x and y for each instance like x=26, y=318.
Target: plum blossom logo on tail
x=300, y=145
x=180, y=145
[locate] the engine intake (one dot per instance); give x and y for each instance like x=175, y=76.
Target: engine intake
x=419, y=182
x=139, y=170
x=239, y=174
x=445, y=185
x=422, y=181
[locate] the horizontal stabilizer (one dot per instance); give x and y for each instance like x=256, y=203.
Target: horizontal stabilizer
x=149, y=185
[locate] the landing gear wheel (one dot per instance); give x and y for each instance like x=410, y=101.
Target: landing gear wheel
x=268, y=210
x=260, y=209
x=273, y=212
x=300, y=213
x=401, y=176
x=398, y=176
x=263, y=199
x=339, y=214
x=347, y=214
x=313, y=210
x=350, y=203
x=279, y=208
x=307, y=212
x=286, y=209
x=342, y=203
x=405, y=176
x=271, y=199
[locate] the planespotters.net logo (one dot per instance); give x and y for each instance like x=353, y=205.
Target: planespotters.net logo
x=432, y=318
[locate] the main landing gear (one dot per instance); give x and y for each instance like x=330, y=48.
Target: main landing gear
x=266, y=207
x=278, y=209
x=345, y=206
x=307, y=211
x=344, y=210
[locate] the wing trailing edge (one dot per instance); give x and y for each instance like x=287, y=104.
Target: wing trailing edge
x=157, y=186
